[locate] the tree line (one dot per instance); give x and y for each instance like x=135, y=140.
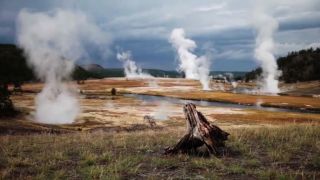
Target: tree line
x=297, y=66
x=14, y=70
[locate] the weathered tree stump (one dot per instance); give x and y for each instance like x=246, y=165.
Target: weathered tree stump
x=199, y=132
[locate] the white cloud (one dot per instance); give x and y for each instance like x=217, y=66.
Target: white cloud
x=283, y=48
x=234, y=54
x=142, y=17
x=212, y=7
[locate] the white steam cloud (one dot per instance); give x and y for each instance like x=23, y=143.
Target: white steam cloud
x=230, y=78
x=193, y=66
x=266, y=26
x=162, y=111
x=53, y=42
x=131, y=70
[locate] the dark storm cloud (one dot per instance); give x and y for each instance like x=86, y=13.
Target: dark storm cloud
x=143, y=27
x=307, y=21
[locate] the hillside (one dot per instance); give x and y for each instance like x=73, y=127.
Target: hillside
x=15, y=70
x=101, y=72
x=298, y=66
x=14, y=67
x=92, y=67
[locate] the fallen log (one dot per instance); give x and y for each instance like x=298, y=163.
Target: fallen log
x=199, y=132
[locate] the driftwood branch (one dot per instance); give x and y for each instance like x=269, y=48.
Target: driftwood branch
x=199, y=133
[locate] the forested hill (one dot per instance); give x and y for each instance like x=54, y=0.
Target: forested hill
x=13, y=65
x=303, y=65
x=118, y=72
x=14, y=69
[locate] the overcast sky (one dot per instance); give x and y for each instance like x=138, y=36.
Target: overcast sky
x=223, y=27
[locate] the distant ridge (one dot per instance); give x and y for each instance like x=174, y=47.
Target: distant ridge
x=92, y=67
x=14, y=68
x=101, y=72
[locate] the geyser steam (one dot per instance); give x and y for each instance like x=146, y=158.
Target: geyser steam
x=230, y=79
x=193, y=66
x=266, y=26
x=131, y=70
x=162, y=111
x=53, y=42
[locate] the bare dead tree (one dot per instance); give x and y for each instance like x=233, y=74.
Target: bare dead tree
x=199, y=132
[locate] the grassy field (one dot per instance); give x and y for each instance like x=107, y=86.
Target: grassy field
x=289, y=102
x=174, y=87
x=110, y=140
x=286, y=152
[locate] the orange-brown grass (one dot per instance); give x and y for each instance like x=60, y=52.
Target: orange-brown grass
x=110, y=83
x=98, y=84
x=127, y=113
x=276, y=101
x=124, y=85
x=275, y=118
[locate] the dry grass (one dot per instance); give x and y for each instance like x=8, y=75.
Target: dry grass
x=275, y=118
x=271, y=101
x=287, y=152
x=168, y=87
x=114, y=143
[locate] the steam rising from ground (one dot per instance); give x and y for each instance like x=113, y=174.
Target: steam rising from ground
x=266, y=26
x=162, y=111
x=53, y=42
x=131, y=70
x=193, y=66
x=230, y=79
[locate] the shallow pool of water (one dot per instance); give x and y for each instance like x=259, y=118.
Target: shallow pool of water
x=152, y=98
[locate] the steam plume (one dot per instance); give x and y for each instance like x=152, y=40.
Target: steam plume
x=53, y=42
x=230, y=78
x=193, y=66
x=131, y=70
x=266, y=26
x=162, y=111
